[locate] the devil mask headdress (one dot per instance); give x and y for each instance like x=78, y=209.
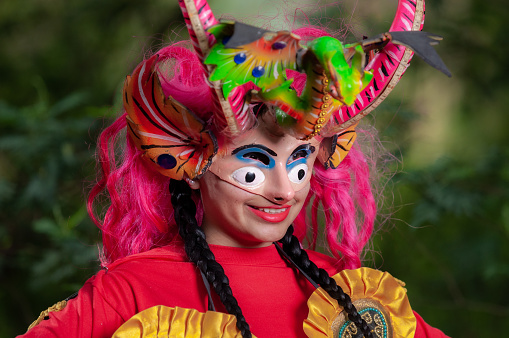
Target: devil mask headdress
x=246, y=65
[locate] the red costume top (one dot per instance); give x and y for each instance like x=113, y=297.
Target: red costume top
x=271, y=293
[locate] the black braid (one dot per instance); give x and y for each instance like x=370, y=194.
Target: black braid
x=199, y=252
x=292, y=247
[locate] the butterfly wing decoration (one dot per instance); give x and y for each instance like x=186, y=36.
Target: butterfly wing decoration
x=170, y=135
x=334, y=149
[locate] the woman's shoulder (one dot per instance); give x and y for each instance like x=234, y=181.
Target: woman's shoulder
x=120, y=290
x=138, y=281
x=173, y=252
x=163, y=262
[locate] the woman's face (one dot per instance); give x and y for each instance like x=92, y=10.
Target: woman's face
x=252, y=194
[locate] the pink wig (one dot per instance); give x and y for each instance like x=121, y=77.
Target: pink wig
x=140, y=216
x=348, y=206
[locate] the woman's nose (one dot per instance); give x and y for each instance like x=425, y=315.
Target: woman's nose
x=279, y=188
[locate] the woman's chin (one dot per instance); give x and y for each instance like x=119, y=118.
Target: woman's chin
x=266, y=235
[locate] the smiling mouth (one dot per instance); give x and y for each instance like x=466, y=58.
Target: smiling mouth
x=271, y=210
x=272, y=214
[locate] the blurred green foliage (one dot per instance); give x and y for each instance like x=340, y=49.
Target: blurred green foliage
x=449, y=239
x=44, y=150
x=61, y=68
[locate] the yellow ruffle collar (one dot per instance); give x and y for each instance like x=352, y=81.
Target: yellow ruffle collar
x=162, y=321
x=380, y=299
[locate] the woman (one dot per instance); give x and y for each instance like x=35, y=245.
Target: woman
x=216, y=178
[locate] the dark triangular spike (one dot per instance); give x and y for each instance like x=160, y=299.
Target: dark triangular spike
x=421, y=43
x=244, y=34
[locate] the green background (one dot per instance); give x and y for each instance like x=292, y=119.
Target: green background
x=444, y=220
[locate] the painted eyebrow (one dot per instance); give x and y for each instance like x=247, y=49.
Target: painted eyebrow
x=306, y=147
x=260, y=146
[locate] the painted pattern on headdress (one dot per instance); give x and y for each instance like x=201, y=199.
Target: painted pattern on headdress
x=230, y=112
x=388, y=65
x=171, y=136
x=246, y=65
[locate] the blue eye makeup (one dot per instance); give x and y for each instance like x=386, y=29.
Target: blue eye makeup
x=256, y=154
x=300, y=155
x=296, y=165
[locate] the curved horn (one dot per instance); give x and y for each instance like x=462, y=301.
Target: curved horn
x=388, y=66
x=199, y=18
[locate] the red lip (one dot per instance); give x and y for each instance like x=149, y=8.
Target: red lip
x=273, y=218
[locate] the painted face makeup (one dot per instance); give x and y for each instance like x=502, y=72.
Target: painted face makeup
x=251, y=195
x=257, y=162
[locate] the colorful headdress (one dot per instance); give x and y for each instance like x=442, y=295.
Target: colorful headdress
x=247, y=65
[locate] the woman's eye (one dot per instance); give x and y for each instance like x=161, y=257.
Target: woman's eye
x=298, y=173
x=249, y=176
